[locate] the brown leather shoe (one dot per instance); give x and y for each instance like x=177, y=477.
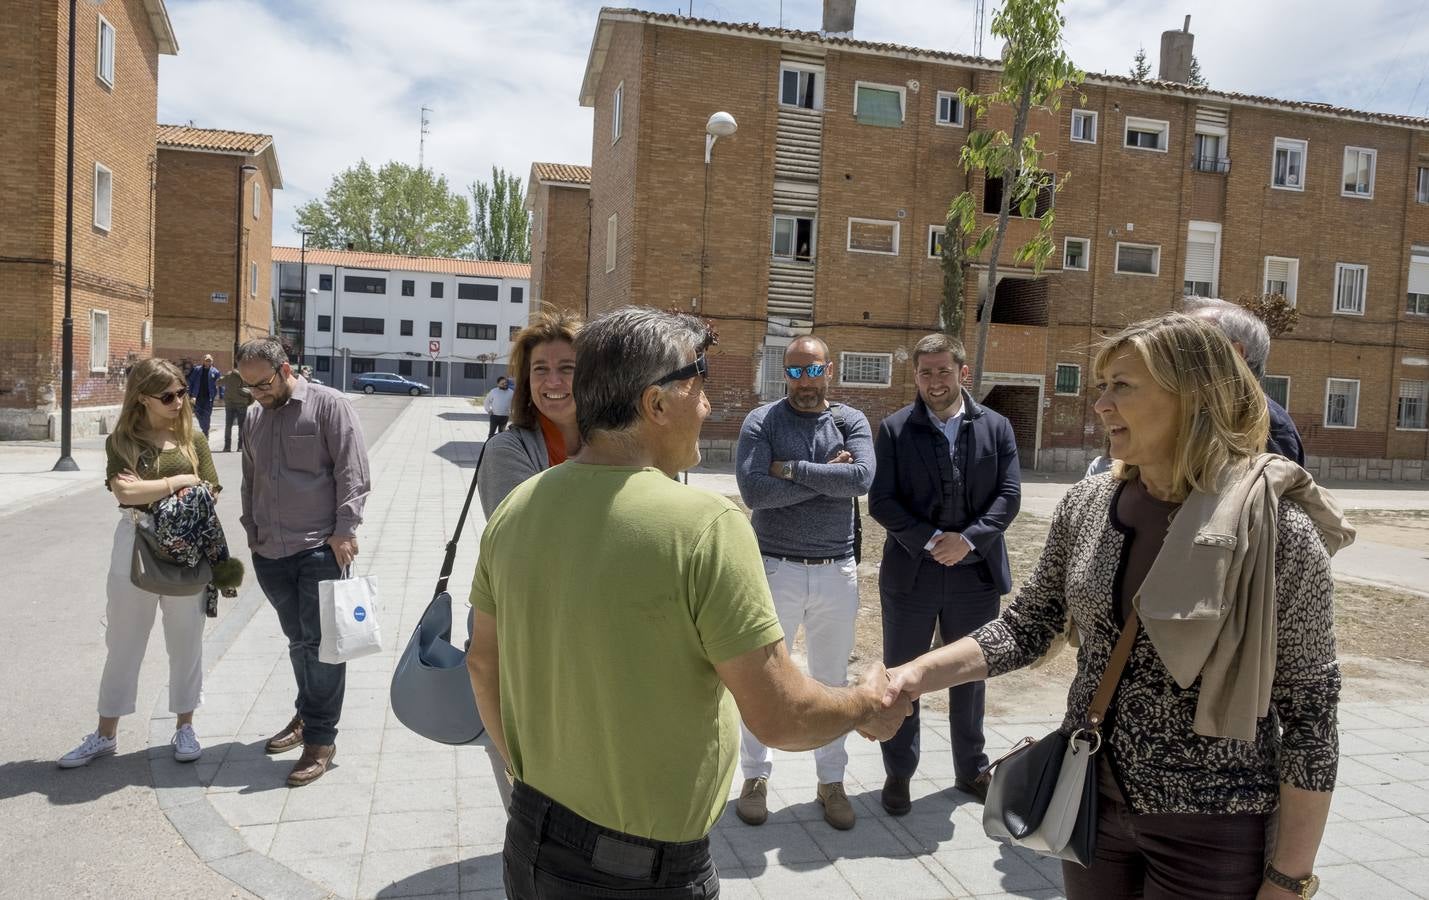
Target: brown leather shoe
x=977, y=787
x=838, y=811
x=290, y=737
x=312, y=764
x=752, y=806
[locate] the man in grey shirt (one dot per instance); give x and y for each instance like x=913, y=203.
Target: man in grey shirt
x=305, y=481
x=801, y=464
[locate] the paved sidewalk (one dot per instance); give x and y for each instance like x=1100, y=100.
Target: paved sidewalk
x=401, y=816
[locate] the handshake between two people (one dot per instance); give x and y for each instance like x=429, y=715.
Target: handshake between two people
x=890, y=693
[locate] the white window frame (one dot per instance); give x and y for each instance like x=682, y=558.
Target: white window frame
x=1290, y=145
x=1418, y=256
x=1421, y=187
x=1215, y=228
x=1355, y=417
x=815, y=71
x=106, y=223
x=1059, y=366
x=957, y=105
x=1292, y=287
x=794, y=244
x=1284, y=378
x=98, y=361
x=1086, y=254
x=1373, y=159
x=844, y=368
x=941, y=230
x=1163, y=144
x=773, y=346
x=616, y=109
x=1341, y=310
x=257, y=199
x=612, y=232
x=1084, y=114
x=1116, y=264
x=902, y=97
x=897, y=235
x=105, y=72
x=1424, y=401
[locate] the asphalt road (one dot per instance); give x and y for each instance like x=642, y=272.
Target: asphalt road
x=77, y=833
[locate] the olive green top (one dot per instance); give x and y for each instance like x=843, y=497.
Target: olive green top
x=169, y=462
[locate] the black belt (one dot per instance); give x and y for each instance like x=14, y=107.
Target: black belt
x=811, y=560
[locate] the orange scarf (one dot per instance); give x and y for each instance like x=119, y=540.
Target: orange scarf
x=555, y=442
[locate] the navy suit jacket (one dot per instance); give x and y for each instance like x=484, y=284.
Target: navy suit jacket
x=196, y=379
x=907, y=490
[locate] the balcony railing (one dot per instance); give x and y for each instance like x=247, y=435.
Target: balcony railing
x=1216, y=165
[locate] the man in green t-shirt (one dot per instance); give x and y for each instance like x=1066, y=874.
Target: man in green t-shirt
x=623, y=626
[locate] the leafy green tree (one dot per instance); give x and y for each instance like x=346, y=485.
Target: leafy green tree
x=502, y=224
x=397, y=209
x=1197, y=78
x=1140, y=68
x=1035, y=71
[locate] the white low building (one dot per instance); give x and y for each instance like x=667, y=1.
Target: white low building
x=445, y=322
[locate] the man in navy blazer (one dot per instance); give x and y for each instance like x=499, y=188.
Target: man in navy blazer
x=946, y=485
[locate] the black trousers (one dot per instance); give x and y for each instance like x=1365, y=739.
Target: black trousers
x=956, y=600
x=496, y=425
x=233, y=416
x=552, y=854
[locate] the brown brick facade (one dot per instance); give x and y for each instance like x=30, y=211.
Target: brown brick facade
x=560, y=245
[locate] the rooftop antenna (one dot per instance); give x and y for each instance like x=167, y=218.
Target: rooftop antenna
x=979, y=16
x=422, y=141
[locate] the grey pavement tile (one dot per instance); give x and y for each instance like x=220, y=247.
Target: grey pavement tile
x=481, y=826
x=1408, y=831
x=360, y=740
x=1355, y=805
x=327, y=799
x=932, y=832
x=904, y=878
x=320, y=838
x=1398, y=740
x=734, y=884
x=480, y=868
x=868, y=838
x=1356, y=743
x=484, y=895
x=409, y=873
x=258, y=808
x=722, y=852
x=259, y=837
x=1407, y=796
x=1355, y=772
x=205, y=831
x=992, y=869
x=1356, y=881
x=1400, y=766
x=478, y=791
x=1050, y=894
x=773, y=845
x=412, y=830
x=1411, y=874
x=820, y=880
x=1346, y=842
x=402, y=740
x=411, y=796
x=337, y=873
x=424, y=766
x=1387, y=716
x=1419, y=711
x=264, y=877
x=267, y=774
x=351, y=768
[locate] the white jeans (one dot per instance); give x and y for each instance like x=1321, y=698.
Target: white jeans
x=824, y=599
x=130, y=615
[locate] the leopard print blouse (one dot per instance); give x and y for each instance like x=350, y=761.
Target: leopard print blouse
x=1160, y=763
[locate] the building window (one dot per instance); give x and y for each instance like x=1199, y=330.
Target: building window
x=105, y=52
x=324, y=364
x=364, y=284
x=1342, y=400
x=1077, y=254
x=800, y=87
x=1418, y=285
x=518, y=295
x=257, y=199
x=103, y=197
x=472, y=291
x=1210, y=151
x=611, y=226
x=1282, y=274
x=512, y=332
x=362, y=365
x=439, y=290
x=950, y=109
x=1359, y=173
x=1411, y=404
x=434, y=329
x=935, y=240
x=405, y=328
x=878, y=104
x=1084, y=126
x=865, y=369
x=1203, y=250
x=404, y=367
x=324, y=323
x=616, y=108
x=324, y=282
x=434, y=369
x=772, y=385
x=252, y=278
x=98, y=341
x=474, y=332
x=873, y=236
x=1148, y=134
x=793, y=238
x=1288, y=169
x=473, y=371
x=1138, y=259
x=1069, y=379
x=1277, y=388
x=992, y=197
x=362, y=325
x=409, y=287
x=1350, y=288
x=1421, y=190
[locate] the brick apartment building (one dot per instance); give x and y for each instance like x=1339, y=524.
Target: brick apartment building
x=116, y=102
x=824, y=212
x=214, y=244
x=445, y=322
x=558, y=199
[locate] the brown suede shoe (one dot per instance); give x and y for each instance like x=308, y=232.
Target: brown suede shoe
x=312, y=764
x=838, y=812
x=290, y=737
x=977, y=787
x=752, y=805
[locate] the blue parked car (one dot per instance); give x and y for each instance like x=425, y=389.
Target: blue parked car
x=388, y=383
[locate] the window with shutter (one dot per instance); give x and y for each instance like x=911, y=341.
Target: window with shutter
x=1281, y=276
x=1412, y=395
x=1418, y=285
x=1202, y=242
x=771, y=374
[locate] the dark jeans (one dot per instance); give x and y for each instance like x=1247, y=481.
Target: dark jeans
x=291, y=584
x=233, y=415
x=1170, y=856
x=552, y=854
x=956, y=600
x=204, y=414
x=497, y=424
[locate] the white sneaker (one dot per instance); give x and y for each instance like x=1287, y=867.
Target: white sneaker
x=93, y=746
x=185, y=743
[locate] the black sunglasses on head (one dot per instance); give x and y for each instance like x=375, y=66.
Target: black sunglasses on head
x=698, y=367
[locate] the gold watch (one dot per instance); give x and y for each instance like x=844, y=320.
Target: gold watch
x=1304, y=888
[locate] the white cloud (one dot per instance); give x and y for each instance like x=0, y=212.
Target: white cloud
x=338, y=80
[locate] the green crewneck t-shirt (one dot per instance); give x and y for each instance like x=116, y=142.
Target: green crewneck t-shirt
x=615, y=592
x=168, y=463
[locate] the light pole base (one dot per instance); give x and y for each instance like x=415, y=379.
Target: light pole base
x=66, y=463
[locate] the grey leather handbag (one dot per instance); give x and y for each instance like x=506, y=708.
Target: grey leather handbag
x=153, y=571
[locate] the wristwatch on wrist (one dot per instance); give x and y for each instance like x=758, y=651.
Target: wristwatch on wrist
x=786, y=471
x=1303, y=888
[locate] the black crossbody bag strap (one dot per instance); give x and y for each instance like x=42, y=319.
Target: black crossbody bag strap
x=842, y=426
x=450, y=560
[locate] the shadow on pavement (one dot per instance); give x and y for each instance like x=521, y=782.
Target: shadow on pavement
x=479, y=873
x=462, y=417
x=463, y=453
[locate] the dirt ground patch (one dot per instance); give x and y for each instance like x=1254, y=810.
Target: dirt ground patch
x=1401, y=528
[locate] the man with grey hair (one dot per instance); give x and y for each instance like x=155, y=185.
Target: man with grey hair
x=305, y=483
x=612, y=677
x=1251, y=339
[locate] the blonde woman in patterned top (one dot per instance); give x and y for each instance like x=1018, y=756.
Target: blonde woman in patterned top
x=1185, y=807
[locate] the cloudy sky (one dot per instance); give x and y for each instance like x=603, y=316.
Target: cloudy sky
x=335, y=81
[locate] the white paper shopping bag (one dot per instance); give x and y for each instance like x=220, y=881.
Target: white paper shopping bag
x=348, y=609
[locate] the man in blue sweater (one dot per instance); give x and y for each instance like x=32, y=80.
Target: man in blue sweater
x=802, y=462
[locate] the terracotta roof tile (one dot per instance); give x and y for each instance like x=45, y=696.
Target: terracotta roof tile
x=188, y=137
x=564, y=172
x=357, y=259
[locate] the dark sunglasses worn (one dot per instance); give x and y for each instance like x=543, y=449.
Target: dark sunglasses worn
x=698, y=367
x=813, y=370
x=168, y=397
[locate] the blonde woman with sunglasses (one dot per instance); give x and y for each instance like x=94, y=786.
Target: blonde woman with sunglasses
x=154, y=451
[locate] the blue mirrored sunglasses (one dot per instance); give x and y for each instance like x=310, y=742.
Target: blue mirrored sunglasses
x=813, y=370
